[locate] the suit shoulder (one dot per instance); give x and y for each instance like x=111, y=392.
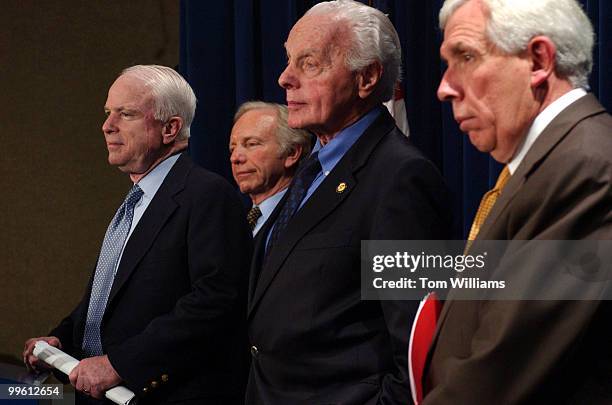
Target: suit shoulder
x=198, y=174
x=589, y=141
x=396, y=152
x=203, y=184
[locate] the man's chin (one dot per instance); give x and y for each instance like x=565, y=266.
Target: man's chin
x=113, y=161
x=295, y=121
x=245, y=188
x=479, y=141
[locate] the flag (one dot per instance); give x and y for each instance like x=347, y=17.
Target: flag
x=397, y=109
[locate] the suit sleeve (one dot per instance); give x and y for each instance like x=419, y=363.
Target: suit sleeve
x=416, y=207
x=218, y=244
x=65, y=331
x=519, y=348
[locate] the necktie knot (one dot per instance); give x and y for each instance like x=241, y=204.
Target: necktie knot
x=503, y=178
x=253, y=216
x=487, y=203
x=133, y=195
x=310, y=167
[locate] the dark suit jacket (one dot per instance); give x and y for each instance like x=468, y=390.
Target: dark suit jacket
x=314, y=340
x=537, y=352
x=177, y=304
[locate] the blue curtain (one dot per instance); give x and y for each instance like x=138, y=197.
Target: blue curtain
x=232, y=51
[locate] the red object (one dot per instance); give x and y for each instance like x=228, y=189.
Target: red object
x=421, y=336
x=398, y=94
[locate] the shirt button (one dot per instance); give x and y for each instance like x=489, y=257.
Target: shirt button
x=254, y=351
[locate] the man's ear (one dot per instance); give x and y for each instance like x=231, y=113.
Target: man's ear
x=171, y=129
x=368, y=78
x=542, y=53
x=293, y=156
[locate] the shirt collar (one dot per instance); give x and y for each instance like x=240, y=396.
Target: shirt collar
x=334, y=150
x=541, y=122
x=267, y=206
x=153, y=180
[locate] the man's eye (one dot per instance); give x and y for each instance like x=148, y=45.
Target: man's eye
x=310, y=64
x=467, y=57
x=250, y=144
x=126, y=114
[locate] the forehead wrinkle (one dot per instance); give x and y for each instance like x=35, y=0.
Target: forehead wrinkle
x=465, y=37
x=327, y=32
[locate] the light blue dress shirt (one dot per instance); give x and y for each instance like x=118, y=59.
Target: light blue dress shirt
x=334, y=150
x=266, y=207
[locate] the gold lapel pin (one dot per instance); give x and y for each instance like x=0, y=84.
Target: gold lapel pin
x=341, y=187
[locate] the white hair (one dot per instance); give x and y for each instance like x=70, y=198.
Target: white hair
x=172, y=95
x=288, y=138
x=374, y=39
x=512, y=24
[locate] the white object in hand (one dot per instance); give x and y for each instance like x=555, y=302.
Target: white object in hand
x=66, y=363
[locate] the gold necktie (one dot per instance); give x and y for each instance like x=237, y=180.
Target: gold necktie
x=487, y=203
x=253, y=216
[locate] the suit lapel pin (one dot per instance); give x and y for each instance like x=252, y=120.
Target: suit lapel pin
x=341, y=187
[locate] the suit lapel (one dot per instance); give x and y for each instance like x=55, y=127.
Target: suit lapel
x=321, y=204
x=150, y=224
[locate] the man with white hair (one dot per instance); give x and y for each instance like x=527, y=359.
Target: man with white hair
x=163, y=311
x=517, y=78
x=314, y=340
x=265, y=154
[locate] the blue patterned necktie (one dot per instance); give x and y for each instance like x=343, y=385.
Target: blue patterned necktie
x=301, y=182
x=112, y=246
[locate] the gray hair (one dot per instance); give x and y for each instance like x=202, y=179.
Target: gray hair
x=172, y=95
x=513, y=23
x=374, y=39
x=287, y=138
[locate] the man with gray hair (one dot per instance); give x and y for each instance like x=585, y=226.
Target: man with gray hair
x=163, y=311
x=314, y=340
x=265, y=153
x=517, y=80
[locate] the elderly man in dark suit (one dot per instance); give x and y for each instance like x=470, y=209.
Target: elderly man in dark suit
x=516, y=78
x=314, y=340
x=163, y=313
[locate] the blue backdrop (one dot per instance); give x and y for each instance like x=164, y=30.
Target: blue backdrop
x=232, y=51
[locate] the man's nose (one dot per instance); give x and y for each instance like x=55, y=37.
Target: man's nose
x=287, y=79
x=108, y=126
x=446, y=90
x=236, y=156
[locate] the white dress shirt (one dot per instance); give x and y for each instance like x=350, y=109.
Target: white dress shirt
x=541, y=122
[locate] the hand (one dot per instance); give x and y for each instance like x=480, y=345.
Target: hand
x=31, y=361
x=94, y=376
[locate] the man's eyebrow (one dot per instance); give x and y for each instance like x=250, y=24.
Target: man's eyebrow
x=306, y=52
x=122, y=108
x=455, y=48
